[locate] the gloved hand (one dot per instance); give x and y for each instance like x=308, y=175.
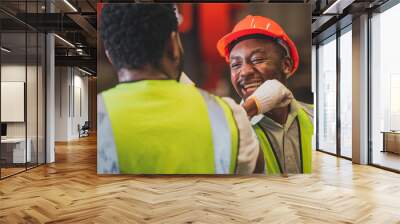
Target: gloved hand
x=271, y=94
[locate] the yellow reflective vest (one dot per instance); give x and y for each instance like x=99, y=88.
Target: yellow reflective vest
x=272, y=165
x=164, y=127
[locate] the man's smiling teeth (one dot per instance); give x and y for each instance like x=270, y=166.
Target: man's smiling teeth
x=252, y=85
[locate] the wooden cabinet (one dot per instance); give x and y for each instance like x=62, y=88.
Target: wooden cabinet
x=391, y=142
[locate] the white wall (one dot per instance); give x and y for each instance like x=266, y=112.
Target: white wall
x=61, y=103
x=81, y=102
x=71, y=94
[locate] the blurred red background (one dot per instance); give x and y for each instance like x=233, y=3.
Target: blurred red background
x=203, y=24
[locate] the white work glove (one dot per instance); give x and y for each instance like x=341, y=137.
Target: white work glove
x=271, y=94
x=184, y=79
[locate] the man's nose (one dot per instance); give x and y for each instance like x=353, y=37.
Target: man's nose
x=246, y=70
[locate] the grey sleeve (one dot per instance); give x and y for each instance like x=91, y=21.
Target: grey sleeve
x=107, y=159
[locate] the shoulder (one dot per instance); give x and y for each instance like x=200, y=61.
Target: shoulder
x=206, y=95
x=308, y=108
x=100, y=103
x=107, y=159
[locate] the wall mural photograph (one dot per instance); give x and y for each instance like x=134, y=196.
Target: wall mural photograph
x=181, y=94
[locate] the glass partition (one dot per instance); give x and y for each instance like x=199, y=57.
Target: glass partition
x=346, y=93
x=31, y=100
x=41, y=108
x=14, y=153
x=22, y=64
x=385, y=89
x=326, y=101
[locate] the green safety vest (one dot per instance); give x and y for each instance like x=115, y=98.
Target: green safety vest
x=164, y=127
x=272, y=165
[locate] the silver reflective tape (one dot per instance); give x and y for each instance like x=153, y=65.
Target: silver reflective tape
x=107, y=158
x=221, y=134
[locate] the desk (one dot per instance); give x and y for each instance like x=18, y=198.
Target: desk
x=15, y=148
x=391, y=141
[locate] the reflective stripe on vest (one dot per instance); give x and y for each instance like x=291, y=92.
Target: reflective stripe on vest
x=306, y=129
x=173, y=129
x=271, y=164
x=306, y=133
x=221, y=134
x=234, y=131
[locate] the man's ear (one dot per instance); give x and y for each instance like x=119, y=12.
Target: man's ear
x=174, y=47
x=108, y=57
x=287, y=66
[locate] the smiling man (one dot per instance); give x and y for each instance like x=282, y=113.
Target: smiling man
x=261, y=58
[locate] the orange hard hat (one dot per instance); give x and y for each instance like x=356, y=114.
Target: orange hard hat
x=259, y=25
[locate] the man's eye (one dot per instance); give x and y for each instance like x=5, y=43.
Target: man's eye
x=257, y=60
x=235, y=65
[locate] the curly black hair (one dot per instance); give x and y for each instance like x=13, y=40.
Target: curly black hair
x=136, y=34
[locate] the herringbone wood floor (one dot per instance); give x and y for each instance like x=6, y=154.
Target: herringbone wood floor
x=70, y=191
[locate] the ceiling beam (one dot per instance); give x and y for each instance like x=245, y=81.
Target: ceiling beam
x=84, y=24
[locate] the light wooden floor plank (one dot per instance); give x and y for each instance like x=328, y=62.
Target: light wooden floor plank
x=70, y=191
